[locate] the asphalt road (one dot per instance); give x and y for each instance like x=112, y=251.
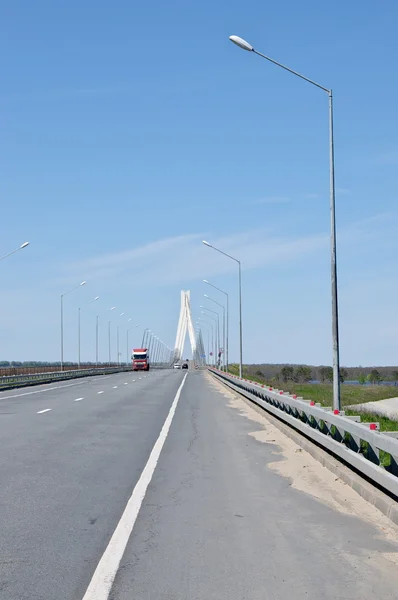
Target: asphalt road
x=213, y=522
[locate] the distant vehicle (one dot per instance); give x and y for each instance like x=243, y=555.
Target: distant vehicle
x=177, y=366
x=184, y=366
x=140, y=359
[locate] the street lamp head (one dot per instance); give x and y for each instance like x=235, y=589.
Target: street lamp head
x=96, y=298
x=206, y=243
x=241, y=43
x=83, y=283
x=113, y=308
x=121, y=314
x=205, y=295
x=24, y=245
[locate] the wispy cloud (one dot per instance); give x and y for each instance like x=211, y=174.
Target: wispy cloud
x=158, y=247
x=183, y=258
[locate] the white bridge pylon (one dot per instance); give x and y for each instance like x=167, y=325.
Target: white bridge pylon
x=185, y=324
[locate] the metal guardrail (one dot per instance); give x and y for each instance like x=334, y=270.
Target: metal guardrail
x=11, y=381
x=360, y=445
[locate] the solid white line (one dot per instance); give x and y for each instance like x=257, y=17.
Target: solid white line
x=57, y=387
x=78, y=399
x=100, y=392
x=104, y=575
x=40, y=412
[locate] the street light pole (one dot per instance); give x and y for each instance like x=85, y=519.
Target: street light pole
x=213, y=335
x=217, y=330
x=207, y=356
x=117, y=342
x=227, y=328
x=127, y=340
x=96, y=341
x=78, y=337
x=223, y=322
x=109, y=343
x=78, y=327
x=21, y=247
x=97, y=336
x=62, y=317
x=334, y=289
x=240, y=303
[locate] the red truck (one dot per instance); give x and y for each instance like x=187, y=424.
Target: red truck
x=140, y=359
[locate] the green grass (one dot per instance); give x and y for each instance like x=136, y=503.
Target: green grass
x=323, y=393
x=350, y=394
x=386, y=424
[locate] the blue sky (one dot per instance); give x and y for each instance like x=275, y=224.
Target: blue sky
x=130, y=132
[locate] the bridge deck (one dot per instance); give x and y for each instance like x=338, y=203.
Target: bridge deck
x=233, y=508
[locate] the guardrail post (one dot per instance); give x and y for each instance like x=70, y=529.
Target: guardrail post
x=361, y=445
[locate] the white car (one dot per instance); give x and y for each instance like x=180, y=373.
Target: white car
x=176, y=366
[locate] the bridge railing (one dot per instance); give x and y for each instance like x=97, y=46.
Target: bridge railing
x=360, y=445
x=14, y=381
x=7, y=371
x=26, y=379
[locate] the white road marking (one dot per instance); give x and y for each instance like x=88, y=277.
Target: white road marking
x=126, y=383
x=78, y=399
x=102, y=377
x=133, y=380
x=114, y=387
x=139, y=377
x=57, y=387
x=100, y=392
x=104, y=575
x=40, y=412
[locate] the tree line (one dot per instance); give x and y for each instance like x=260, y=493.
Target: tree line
x=324, y=374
